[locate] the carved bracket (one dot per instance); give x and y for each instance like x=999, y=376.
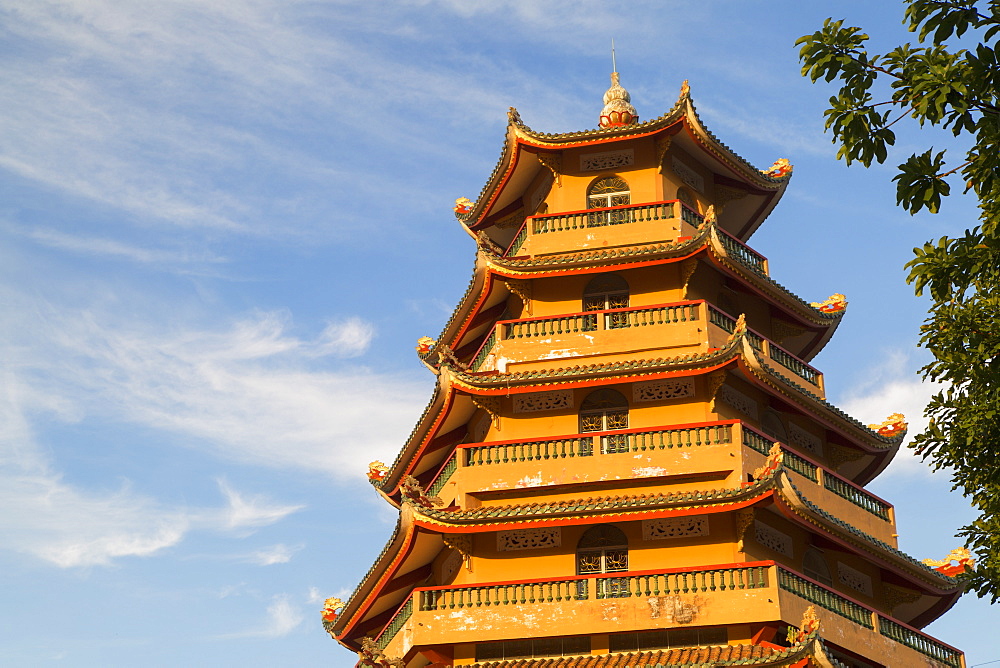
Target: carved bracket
x=554, y=163
x=688, y=268
x=522, y=289
x=492, y=407
x=662, y=146
x=716, y=379
x=744, y=520
x=463, y=545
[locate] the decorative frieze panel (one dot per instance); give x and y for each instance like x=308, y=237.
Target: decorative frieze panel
x=688, y=175
x=674, y=527
x=773, y=539
x=800, y=437
x=596, y=162
x=543, y=401
x=661, y=390
x=528, y=539
x=854, y=579
x=738, y=400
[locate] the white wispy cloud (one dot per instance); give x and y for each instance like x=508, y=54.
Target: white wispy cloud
x=275, y=554
x=251, y=512
x=282, y=618
x=113, y=248
x=894, y=387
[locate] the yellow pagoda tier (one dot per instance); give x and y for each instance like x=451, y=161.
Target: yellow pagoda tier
x=628, y=459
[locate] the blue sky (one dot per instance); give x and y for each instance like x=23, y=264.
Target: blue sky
x=224, y=225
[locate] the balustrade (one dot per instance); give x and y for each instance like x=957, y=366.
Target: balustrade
x=770, y=349
x=616, y=215
x=682, y=582
x=742, y=253
x=443, y=476
x=831, y=481
x=395, y=624
x=706, y=580
x=825, y=598
x=916, y=640
x=611, y=442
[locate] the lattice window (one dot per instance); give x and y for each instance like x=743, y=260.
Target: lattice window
x=661, y=390
x=607, y=291
x=528, y=539
x=771, y=425
x=674, y=527
x=608, y=192
x=604, y=410
x=604, y=549
x=814, y=565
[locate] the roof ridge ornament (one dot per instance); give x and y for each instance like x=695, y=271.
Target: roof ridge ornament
x=685, y=91
x=618, y=110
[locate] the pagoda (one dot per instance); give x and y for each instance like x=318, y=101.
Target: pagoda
x=627, y=459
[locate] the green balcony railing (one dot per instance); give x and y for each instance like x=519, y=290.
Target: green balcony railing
x=519, y=239
x=443, y=476
x=768, y=348
x=581, y=445
x=743, y=254
x=918, y=641
x=395, y=624
x=856, y=496
x=552, y=448
x=519, y=593
x=825, y=598
x=538, y=327
x=484, y=351
x=831, y=481
x=655, y=315
x=685, y=582
x=616, y=215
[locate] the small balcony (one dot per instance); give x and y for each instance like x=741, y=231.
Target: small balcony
x=656, y=222
x=703, y=596
x=784, y=362
x=676, y=328
x=721, y=450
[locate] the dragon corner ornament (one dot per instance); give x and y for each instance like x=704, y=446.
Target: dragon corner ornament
x=781, y=167
x=835, y=303
x=627, y=457
x=424, y=345
x=963, y=562
x=377, y=471
x=893, y=426
x=331, y=609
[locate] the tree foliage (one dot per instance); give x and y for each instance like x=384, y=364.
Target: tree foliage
x=954, y=90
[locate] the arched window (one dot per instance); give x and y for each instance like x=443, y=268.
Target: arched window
x=770, y=423
x=604, y=549
x=604, y=410
x=814, y=566
x=604, y=193
x=607, y=291
x=685, y=196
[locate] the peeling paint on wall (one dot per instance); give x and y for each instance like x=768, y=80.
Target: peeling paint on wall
x=648, y=471
x=531, y=481
x=674, y=609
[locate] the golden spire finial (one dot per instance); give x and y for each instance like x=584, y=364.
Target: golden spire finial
x=618, y=109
